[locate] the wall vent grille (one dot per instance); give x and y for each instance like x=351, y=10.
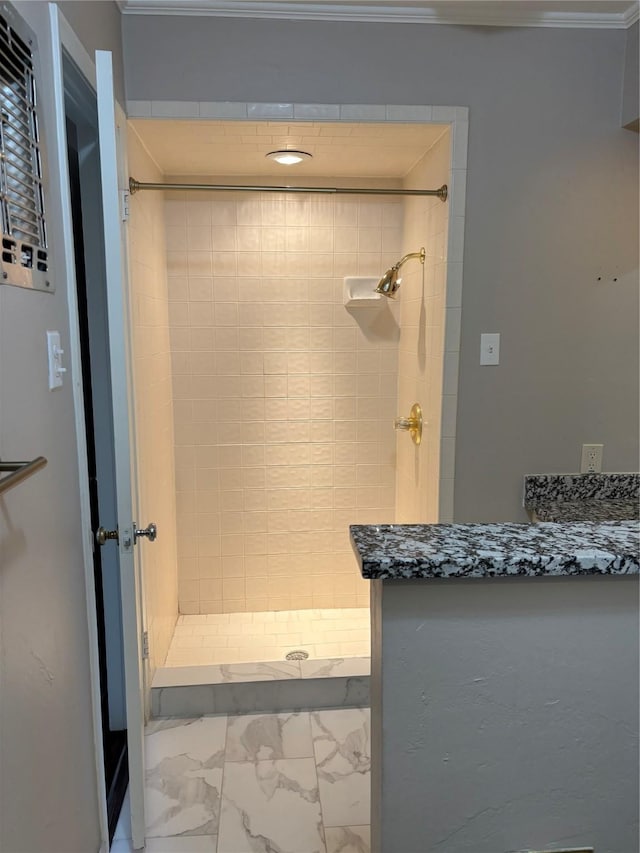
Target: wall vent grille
x=25, y=257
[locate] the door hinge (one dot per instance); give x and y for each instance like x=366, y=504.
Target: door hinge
x=124, y=205
x=145, y=645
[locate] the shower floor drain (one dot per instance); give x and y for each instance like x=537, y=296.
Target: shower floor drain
x=297, y=654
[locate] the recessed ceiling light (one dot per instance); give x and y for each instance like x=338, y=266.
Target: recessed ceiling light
x=288, y=158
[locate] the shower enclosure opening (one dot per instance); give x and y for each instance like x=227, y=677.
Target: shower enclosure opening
x=278, y=400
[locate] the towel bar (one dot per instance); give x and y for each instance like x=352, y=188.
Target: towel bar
x=19, y=472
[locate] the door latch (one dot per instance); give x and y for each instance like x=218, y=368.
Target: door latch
x=103, y=535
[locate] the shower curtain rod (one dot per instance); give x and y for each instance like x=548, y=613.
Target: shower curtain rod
x=137, y=186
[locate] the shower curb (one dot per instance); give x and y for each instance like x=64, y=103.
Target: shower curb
x=267, y=687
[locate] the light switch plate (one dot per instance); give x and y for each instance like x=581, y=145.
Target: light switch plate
x=490, y=348
x=55, y=353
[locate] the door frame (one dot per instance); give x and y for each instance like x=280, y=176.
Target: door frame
x=64, y=38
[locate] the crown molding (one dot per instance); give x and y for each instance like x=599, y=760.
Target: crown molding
x=632, y=15
x=525, y=13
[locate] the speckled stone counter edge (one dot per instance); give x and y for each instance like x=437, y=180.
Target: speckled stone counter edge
x=598, y=509
x=496, y=550
x=541, y=488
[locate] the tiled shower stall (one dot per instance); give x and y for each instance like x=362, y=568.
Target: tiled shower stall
x=282, y=399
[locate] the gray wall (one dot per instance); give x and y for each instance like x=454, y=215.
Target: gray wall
x=630, y=96
x=551, y=206
x=48, y=786
x=508, y=715
x=97, y=25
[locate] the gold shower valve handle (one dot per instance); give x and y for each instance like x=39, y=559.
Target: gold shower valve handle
x=412, y=424
x=405, y=423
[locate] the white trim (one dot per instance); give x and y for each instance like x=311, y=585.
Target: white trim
x=240, y=111
x=632, y=15
x=122, y=128
x=78, y=53
x=453, y=310
x=520, y=14
x=63, y=36
x=111, y=167
x=74, y=47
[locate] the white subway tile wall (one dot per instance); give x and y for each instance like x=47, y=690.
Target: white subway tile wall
x=154, y=407
x=283, y=398
x=421, y=358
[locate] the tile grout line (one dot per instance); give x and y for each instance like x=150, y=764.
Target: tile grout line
x=224, y=764
x=315, y=767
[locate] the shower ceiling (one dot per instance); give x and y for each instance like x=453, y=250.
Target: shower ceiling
x=340, y=150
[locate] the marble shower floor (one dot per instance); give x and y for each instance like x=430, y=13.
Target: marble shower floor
x=295, y=783
x=267, y=636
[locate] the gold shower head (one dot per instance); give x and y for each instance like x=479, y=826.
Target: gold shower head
x=390, y=282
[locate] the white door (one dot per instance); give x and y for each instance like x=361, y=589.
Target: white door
x=124, y=437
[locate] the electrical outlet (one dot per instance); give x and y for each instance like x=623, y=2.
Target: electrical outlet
x=591, y=460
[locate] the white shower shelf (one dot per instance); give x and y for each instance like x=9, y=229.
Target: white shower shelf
x=360, y=290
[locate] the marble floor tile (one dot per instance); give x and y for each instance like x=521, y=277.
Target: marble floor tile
x=173, y=676
x=259, y=671
x=348, y=839
x=334, y=667
x=271, y=806
x=341, y=742
x=258, y=737
x=181, y=844
x=184, y=776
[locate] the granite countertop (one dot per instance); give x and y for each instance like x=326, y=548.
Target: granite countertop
x=596, y=509
x=542, y=488
x=582, y=497
x=496, y=550
x=593, y=530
